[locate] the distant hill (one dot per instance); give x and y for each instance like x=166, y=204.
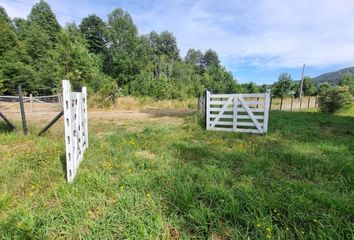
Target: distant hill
x=333, y=77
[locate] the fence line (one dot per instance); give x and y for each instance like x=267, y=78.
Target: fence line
x=291, y=104
x=50, y=100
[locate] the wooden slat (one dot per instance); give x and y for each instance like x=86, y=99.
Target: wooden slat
x=255, y=110
x=223, y=116
x=258, y=117
x=251, y=102
x=241, y=130
x=244, y=95
x=222, y=123
x=258, y=110
x=246, y=124
x=219, y=109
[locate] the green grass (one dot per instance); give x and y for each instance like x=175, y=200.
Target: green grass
x=166, y=181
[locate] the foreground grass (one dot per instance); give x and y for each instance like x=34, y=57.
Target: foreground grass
x=165, y=181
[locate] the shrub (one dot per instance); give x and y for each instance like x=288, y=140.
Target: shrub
x=334, y=99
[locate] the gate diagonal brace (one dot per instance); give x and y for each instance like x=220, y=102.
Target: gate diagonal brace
x=250, y=113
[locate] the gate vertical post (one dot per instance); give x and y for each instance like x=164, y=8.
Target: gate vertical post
x=234, y=124
x=69, y=139
x=85, y=120
x=266, y=111
x=207, y=112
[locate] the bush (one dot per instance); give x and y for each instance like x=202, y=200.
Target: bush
x=334, y=99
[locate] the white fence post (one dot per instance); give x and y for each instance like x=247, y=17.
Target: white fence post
x=266, y=111
x=31, y=102
x=76, y=131
x=234, y=124
x=207, y=115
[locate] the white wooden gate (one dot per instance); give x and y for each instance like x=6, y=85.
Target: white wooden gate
x=246, y=113
x=76, y=131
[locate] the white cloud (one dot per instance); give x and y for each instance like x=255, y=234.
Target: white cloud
x=265, y=33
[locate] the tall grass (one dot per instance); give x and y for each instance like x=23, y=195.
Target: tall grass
x=143, y=103
x=168, y=181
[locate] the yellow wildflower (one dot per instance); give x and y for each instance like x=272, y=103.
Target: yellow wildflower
x=148, y=195
x=268, y=229
x=258, y=225
x=129, y=171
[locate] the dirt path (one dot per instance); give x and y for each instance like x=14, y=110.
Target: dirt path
x=162, y=115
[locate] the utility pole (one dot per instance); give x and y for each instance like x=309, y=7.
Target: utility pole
x=302, y=82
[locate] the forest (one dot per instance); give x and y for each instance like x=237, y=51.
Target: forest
x=111, y=58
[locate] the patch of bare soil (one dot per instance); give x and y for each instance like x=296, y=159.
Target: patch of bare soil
x=145, y=154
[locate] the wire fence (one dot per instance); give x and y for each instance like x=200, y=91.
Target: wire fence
x=32, y=103
x=294, y=104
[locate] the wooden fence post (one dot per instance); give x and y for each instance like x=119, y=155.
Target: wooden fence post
x=198, y=102
x=22, y=109
x=308, y=102
x=291, y=105
x=281, y=103
x=316, y=101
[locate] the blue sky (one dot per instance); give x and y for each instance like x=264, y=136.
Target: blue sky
x=255, y=39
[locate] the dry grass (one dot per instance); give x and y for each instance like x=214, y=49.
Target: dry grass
x=307, y=103
x=146, y=103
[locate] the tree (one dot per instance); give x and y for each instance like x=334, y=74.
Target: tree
x=164, y=44
x=94, y=30
x=168, y=46
x=195, y=57
x=42, y=15
x=123, y=59
x=4, y=17
x=14, y=68
x=323, y=87
x=211, y=59
x=283, y=87
x=348, y=80
x=334, y=99
x=308, y=87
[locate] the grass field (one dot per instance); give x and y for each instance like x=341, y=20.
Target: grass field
x=173, y=180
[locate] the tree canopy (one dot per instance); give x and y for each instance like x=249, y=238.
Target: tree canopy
x=38, y=53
